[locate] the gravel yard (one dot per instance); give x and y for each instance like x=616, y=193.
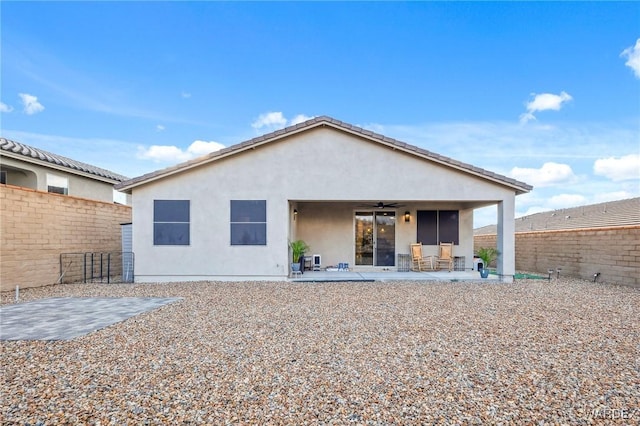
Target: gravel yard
x=378, y=353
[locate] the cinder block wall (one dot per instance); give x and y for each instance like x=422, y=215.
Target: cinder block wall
x=613, y=252
x=35, y=227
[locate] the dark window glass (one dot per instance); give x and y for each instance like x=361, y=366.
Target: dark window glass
x=3, y=177
x=171, y=222
x=248, y=211
x=248, y=234
x=448, y=226
x=427, y=227
x=436, y=226
x=171, y=211
x=57, y=190
x=171, y=234
x=249, y=222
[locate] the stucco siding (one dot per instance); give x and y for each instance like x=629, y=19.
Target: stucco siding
x=210, y=252
x=320, y=165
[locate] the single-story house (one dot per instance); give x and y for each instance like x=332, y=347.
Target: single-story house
x=352, y=195
x=28, y=167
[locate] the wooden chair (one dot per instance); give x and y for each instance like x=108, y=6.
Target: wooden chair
x=418, y=261
x=445, y=256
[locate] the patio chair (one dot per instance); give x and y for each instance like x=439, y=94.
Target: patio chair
x=418, y=261
x=445, y=256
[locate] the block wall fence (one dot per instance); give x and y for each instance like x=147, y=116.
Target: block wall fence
x=36, y=227
x=613, y=252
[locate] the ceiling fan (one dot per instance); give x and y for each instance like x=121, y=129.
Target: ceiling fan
x=381, y=205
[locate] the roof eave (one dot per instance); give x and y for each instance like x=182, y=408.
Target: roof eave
x=54, y=166
x=396, y=145
x=520, y=187
x=128, y=186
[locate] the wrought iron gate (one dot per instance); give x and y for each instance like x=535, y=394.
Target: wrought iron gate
x=91, y=267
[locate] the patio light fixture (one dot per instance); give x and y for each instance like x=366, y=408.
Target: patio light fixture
x=407, y=216
x=295, y=214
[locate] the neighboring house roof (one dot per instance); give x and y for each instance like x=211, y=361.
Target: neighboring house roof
x=30, y=154
x=324, y=121
x=612, y=213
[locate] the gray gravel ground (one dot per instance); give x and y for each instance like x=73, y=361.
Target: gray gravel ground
x=531, y=352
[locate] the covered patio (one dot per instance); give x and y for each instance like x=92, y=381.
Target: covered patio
x=373, y=239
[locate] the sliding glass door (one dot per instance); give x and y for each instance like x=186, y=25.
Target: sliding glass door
x=375, y=238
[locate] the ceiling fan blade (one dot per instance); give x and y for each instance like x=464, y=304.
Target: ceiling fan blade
x=381, y=205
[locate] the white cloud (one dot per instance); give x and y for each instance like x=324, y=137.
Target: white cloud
x=618, y=168
x=562, y=201
x=533, y=210
x=612, y=196
x=532, y=203
x=31, y=104
x=300, y=118
x=549, y=174
x=632, y=54
x=160, y=128
x=161, y=153
x=198, y=148
x=271, y=121
x=173, y=154
x=5, y=108
x=544, y=102
x=185, y=95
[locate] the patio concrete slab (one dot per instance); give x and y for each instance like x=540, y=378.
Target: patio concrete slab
x=65, y=318
x=342, y=276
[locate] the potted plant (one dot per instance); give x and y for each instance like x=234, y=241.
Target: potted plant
x=488, y=255
x=298, y=249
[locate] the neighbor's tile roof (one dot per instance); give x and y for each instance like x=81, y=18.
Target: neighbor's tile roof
x=602, y=215
x=336, y=124
x=16, y=150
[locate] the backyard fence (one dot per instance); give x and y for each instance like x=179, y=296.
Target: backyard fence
x=91, y=267
x=607, y=254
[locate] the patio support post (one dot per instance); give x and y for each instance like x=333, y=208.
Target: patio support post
x=506, y=240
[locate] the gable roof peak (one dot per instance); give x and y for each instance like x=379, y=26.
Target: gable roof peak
x=312, y=123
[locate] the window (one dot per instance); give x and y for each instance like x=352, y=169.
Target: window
x=3, y=177
x=436, y=226
x=57, y=184
x=248, y=222
x=171, y=222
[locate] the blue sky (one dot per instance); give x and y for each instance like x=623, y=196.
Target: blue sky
x=547, y=93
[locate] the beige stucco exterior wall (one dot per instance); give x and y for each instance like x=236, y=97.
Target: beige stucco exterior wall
x=320, y=165
x=34, y=176
x=612, y=252
x=36, y=227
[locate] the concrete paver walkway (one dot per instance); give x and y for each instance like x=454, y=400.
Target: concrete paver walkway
x=65, y=318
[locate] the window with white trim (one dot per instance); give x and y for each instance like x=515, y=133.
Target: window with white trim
x=57, y=184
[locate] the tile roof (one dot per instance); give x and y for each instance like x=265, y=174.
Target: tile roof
x=602, y=215
x=336, y=124
x=16, y=150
